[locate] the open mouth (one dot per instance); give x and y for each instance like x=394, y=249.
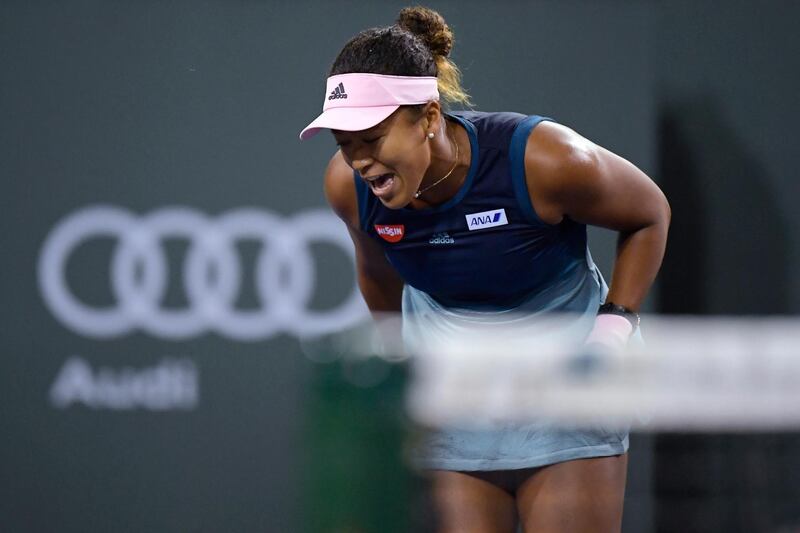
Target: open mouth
x=381, y=184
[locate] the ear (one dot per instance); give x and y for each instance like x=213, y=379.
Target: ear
x=432, y=115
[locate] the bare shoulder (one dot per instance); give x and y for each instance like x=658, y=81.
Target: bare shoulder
x=552, y=145
x=340, y=190
x=570, y=176
x=557, y=161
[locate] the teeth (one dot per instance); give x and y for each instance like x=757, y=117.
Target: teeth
x=381, y=183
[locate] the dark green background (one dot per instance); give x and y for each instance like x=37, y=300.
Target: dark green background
x=149, y=104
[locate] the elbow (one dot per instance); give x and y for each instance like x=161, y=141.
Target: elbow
x=661, y=218
x=665, y=212
x=658, y=217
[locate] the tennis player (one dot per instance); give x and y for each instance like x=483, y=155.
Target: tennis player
x=466, y=217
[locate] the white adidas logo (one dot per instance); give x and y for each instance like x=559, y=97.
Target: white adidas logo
x=441, y=238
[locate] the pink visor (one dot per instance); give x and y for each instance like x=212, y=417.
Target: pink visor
x=356, y=101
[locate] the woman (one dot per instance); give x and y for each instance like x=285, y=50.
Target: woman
x=462, y=217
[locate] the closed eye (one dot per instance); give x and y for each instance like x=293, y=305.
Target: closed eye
x=371, y=140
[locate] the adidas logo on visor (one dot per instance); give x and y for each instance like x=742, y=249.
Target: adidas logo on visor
x=338, y=92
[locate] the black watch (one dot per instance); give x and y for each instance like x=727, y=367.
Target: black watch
x=610, y=308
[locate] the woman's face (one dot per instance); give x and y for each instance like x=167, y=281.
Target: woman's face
x=391, y=157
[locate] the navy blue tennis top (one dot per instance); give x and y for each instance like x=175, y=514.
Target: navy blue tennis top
x=485, y=247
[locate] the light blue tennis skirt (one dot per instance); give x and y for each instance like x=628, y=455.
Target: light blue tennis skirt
x=507, y=446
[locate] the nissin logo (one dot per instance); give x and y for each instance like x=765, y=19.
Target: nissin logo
x=486, y=219
x=390, y=232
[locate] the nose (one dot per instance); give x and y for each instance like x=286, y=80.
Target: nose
x=360, y=165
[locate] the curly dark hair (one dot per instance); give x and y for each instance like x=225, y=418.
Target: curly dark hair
x=417, y=45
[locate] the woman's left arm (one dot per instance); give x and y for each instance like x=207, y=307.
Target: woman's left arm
x=570, y=176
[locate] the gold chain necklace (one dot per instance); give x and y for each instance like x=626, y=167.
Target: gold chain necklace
x=437, y=182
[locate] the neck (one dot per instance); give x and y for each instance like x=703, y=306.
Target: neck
x=443, y=159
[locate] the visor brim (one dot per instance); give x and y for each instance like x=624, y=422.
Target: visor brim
x=348, y=119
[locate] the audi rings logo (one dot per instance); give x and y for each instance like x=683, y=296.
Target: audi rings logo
x=284, y=273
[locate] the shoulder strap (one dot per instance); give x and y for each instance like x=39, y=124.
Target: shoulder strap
x=516, y=155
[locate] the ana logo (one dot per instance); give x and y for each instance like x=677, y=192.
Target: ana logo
x=486, y=219
x=338, y=92
x=441, y=238
x=391, y=233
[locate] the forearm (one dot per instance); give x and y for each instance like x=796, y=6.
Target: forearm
x=639, y=257
x=382, y=294
x=383, y=297
x=380, y=284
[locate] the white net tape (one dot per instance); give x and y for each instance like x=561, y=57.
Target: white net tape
x=692, y=373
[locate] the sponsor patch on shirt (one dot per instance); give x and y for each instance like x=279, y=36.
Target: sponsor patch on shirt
x=390, y=232
x=486, y=219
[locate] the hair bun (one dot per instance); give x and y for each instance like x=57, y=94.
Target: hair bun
x=429, y=26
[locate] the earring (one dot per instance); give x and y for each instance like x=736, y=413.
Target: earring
x=431, y=135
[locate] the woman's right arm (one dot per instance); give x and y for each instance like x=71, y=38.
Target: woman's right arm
x=379, y=282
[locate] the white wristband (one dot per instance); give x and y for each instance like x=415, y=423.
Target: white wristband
x=610, y=330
